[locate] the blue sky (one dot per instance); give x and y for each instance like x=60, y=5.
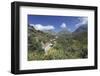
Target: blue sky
x=44, y=22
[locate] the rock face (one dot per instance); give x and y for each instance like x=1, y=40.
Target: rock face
x=46, y=47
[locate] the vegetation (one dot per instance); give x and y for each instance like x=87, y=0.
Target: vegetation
x=65, y=46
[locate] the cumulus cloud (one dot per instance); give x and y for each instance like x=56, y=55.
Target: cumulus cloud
x=63, y=25
x=42, y=27
x=82, y=22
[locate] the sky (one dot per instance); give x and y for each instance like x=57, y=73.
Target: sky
x=56, y=23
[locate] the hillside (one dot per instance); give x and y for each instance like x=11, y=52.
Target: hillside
x=36, y=37
x=48, y=45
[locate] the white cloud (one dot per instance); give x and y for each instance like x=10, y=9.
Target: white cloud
x=31, y=24
x=42, y=27
x=82, y=21
x=63, y=25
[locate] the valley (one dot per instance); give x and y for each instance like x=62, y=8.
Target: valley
x=50, y=45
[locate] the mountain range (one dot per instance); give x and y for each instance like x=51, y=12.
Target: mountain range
x=63, y=31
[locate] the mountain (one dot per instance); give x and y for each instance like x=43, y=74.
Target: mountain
x=82, y=28
x=50, y=32
x=64, y=31
x=33, y=31
x=81, y=33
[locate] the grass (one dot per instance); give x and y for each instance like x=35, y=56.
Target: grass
x=65, y=47
x=56, y=53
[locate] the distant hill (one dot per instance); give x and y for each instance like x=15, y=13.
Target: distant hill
x=50, y=32
x=63, y=31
